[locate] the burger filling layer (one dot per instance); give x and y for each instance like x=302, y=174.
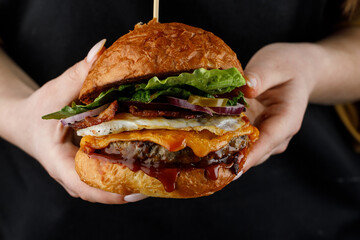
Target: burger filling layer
x=182, y=122
x=162, y=153
x=157, y=161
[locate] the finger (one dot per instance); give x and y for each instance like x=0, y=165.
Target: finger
x=96, y=195
x=282, y=147
x=95, y=51
x=134, y=197
x=270, y=137
x=274, y=137
x=88, y=193
x=264, y=71
x=279, y=149
x=278, y=123
x=68, y=178
x=250, y=87
x=76, y=188
x=67, y=86
x=238, y=175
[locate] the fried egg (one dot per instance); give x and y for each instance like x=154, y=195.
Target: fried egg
x=127, y=122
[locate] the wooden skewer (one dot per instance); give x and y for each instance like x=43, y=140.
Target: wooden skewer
x=156, y=10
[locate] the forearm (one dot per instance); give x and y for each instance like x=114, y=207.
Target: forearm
x=15, y=86
x=338, y=68
x=14, y=82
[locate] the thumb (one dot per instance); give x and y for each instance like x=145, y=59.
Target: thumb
x=264, y=71
x=67, y=86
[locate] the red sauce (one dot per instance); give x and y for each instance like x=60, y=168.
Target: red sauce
x=167, y=176
x=212, y=171
x=167, y=172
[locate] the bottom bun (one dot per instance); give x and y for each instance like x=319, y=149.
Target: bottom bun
x=116, y=178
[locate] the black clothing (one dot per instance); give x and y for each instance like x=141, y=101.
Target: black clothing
x=312, y=191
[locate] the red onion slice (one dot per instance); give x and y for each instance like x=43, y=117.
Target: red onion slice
x=81, y=116
x=231, y=110
x=185, y=104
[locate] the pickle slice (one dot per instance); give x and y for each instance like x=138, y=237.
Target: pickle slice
x=207, y=102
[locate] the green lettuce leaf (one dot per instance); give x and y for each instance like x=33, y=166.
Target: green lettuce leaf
x=201, y=82
x=213, y=81
x=239, y=98
x=104, y=97
x=174, y=92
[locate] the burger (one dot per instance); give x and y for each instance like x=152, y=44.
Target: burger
x=161, y=113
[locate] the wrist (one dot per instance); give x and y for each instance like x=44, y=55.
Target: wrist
x=18, y=125
x=338, y=68
x=312, y=57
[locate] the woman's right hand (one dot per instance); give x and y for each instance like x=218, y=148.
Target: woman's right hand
x=51, y=143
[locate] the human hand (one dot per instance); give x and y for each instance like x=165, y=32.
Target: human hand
x=51, y=143
x=280, y=77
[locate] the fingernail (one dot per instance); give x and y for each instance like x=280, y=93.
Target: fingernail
x=251, y=82
x=135, y=197
x=238, y=175
x=95, y=50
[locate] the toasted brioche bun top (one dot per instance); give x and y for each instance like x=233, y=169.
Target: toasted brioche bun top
x=156, y=49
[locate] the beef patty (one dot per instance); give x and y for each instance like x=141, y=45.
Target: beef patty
x=149, y=154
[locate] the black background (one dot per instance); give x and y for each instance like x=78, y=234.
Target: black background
x=312, y=191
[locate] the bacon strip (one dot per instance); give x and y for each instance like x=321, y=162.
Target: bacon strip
x=163, y=113
x=110, y=112
x=106, y=115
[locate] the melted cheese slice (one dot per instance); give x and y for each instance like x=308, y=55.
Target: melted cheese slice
x=202, y=143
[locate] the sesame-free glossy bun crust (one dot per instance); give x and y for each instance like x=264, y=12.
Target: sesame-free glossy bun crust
x=119, y=179
x=156, y=49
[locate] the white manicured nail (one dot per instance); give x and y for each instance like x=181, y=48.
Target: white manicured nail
x=238, y=175
x=251, y=82
x=135, y=197
x=95, y=50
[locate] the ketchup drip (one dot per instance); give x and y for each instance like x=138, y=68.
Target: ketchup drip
x=212, y=171
x=167, y=176
x=167, y=172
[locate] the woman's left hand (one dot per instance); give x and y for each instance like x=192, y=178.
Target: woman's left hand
x=280, y=79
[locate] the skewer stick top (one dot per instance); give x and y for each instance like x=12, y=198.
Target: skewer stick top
x=156, y=10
